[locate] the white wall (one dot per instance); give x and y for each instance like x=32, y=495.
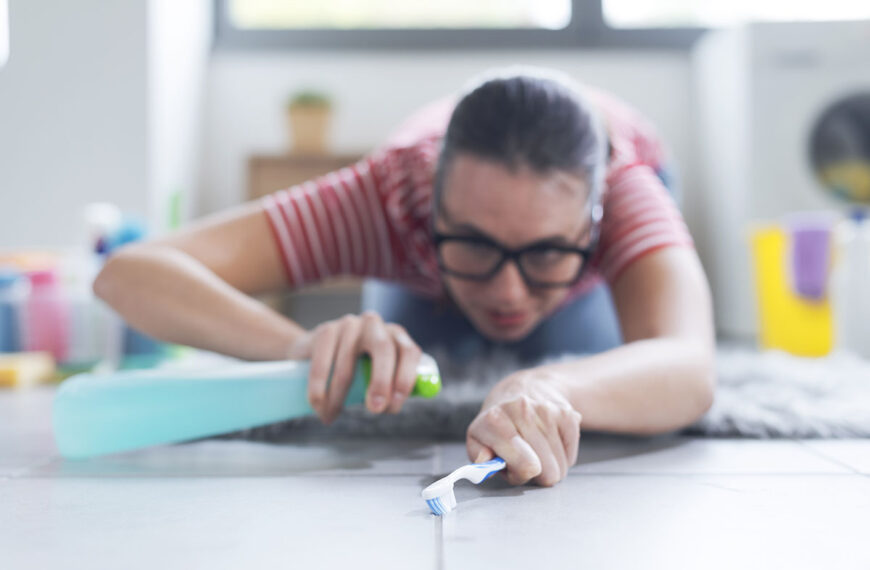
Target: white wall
x=179, y=42
x=100, y=101
x=760, y=90
x=103, y=101
x=72, y=105
x=374, y=91
x=4, y=31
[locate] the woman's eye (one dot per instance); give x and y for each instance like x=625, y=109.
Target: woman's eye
x=543, y=257
x=478, y=248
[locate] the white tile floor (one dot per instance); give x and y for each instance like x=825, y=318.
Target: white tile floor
x=663, y=502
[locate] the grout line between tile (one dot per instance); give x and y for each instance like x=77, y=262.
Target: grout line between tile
x=139, y=476
x=716, y=474
x=438, y=522
x=25, y=472
x=104, y=476
x=825, y=456
x=439, y=542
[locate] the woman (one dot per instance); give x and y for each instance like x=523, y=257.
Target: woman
x=513, y=227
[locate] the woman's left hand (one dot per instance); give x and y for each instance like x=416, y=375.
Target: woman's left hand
x=528, y=422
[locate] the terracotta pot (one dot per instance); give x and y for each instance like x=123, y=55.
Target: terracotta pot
x=309, y=128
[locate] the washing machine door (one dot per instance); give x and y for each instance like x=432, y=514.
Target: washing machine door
x=840, y=148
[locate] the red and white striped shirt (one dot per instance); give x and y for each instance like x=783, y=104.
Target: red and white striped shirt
x=373, y=219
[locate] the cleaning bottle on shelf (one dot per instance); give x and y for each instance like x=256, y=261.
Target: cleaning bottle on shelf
x=139, y=349
x=90, y=320
x=100, y=221
x=13, y=292
x=46, y=315
x=791, y=269
x=87, y=327
x=850, y=284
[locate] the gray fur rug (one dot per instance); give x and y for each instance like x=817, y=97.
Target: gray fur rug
x=759, y=395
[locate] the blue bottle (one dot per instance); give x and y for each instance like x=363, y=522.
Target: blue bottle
x=12, y=294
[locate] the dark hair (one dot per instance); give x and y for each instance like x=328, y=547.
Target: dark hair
x=537, y=120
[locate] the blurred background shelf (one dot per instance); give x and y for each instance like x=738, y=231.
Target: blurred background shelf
x=268, y=173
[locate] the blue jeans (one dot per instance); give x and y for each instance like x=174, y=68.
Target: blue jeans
x=586, y=325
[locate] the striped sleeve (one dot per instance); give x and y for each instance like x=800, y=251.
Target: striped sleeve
x=333, y=225
x=640, y=216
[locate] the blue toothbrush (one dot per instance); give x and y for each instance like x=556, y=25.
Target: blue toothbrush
x=439, y=495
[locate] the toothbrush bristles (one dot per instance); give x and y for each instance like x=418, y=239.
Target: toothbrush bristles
x=439, y=495
x=441, y=505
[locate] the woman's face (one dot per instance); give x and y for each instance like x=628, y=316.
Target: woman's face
x=515, y=209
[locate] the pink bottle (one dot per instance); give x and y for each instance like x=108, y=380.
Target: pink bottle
x=46, y=315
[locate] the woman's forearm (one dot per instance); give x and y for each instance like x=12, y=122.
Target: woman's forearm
x=644, y=387
x=171, y=296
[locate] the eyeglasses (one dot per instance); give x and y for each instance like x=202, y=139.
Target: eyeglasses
x=479, y=258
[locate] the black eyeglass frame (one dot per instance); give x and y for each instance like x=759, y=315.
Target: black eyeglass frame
x=512, y=254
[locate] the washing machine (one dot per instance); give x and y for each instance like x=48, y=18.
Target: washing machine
x=782, y=119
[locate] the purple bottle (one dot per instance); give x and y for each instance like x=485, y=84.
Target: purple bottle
x=810, y=254
x=46, y=315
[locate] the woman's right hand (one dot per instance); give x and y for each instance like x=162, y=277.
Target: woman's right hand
x=338, y=344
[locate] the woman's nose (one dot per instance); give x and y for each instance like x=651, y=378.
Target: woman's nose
x=508, y=285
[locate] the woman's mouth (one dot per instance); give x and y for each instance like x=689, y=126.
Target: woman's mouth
x=505, y=319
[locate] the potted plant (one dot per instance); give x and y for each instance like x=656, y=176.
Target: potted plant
x=309, y=113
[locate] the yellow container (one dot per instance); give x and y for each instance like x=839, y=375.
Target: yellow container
x=787, y=321
x=25, y=369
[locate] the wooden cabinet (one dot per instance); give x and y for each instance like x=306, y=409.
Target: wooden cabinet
x=333, y=298
x=268, y=173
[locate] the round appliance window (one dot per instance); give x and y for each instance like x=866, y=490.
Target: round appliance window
x=840, y=148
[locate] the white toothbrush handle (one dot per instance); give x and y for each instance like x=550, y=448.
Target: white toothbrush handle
x=479, y=472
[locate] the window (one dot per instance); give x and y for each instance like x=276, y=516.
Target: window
x=390, y=14
x=494, y=24
x=498, y=24
x=4, y=32
x=680, y=13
